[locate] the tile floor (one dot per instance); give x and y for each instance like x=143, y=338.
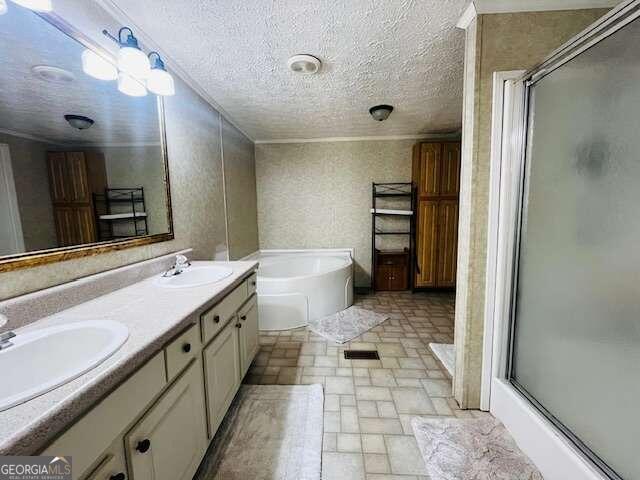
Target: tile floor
x=369, y=403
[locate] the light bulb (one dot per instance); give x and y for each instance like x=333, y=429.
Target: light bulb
x=134, y=62
x=131, y=86
x=160, y=82
x=37, y=5
x=97, y=66
x=3, y=7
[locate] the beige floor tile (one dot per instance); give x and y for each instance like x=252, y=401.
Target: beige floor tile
x=404, y=455
x=373, y=393
x=381, y=425
x=324, y=361
x=373, y=443
x=329, y=442
x=340, y=385
x=382, y=377
x=413, y=401
x=387, y=410
x=411, y=363
x=367, y=408
x=349, y=420
x=348, y=400
x=437, y=388
x=331, y=403
x=376, y=463
x=349, y=442
x=342, y=466
x=331, y=422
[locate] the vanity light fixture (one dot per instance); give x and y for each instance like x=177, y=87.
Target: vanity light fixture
x=79, y=121
x=381, y=112
x=160, y=81
x=37, y=5
x=3, y=7
x=131, y=86
x=131, y=58
x=97, y=66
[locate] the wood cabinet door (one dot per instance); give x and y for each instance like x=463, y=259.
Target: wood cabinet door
x=57, y=166
x=426, y=243
x=430, y=159
x=74, y=225
x=248, y=334
x=450, y=169
x=76, y=178
x=447, y=243
x=170, y=440
x=222, y=373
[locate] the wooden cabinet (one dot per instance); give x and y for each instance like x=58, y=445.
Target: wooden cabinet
x=222, y=372
x=113, y=464
x=436, y=176
x=169, y=441
x=392, y=270
x=248, y=334
x=73, y=178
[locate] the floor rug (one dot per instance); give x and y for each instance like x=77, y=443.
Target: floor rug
x=271, y=432
x=479, y=448
x=347, y=324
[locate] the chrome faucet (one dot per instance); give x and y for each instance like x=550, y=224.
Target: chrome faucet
x=182, y=262
x=4, y=340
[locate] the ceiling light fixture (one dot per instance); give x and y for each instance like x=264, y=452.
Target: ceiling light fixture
x=52, y=74
x=305, y=64
x=79, y=121
x=381, y=112
x=3, y=7
x=131, y=86
x=131, y=59
x=96, y=66
x=37, y=5
x=160, y=81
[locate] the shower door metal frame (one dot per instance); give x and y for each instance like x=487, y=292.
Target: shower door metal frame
x=615, y=20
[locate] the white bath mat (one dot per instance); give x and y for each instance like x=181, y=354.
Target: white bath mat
x=271, y=432
x=455, y=448
x=347, y=324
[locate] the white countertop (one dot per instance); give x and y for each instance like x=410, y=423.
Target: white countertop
x=153, y=315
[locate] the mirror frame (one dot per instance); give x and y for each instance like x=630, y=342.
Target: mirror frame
x=18, y=261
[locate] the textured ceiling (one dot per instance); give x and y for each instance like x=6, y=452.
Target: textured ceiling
x=407, y=53
x=29, y=105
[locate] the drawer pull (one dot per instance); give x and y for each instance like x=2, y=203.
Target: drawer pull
x=143, y=446
x=186, y=348
x=238, y=325
x=118, y=476
x=253, y=283
x=243, y=317
x=216, y=319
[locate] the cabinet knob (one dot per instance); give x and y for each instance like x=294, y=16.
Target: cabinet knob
x=186, y=348
x=238, y=325
x=253, y=283
x=143, y=446
x=243, y=317
x=216, y=319
x=118, y=476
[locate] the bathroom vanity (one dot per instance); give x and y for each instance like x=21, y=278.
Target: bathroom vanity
x=151, y=409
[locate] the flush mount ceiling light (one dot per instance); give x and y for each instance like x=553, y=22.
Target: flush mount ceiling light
x=131, y=86
x=97, y=66
x=37, y=5
x=52, y=74
x=305, y=64
x=79, y=121
x=131, y=59
x=381, y=112
x=160, y=81
x=3, y=7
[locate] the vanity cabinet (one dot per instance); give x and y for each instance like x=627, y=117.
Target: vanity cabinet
x=113, y=465
x=222, y=373
x=248, y=334
x=169, y=441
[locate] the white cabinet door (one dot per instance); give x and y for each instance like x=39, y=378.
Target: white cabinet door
x=222, y=373
x=170, y=440
x=248, y=316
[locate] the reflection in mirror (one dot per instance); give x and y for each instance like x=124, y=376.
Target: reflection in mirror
x=80, y=162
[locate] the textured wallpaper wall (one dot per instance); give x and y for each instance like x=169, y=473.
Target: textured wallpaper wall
x=318, y=195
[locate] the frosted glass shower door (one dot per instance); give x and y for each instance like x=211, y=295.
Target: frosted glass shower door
x=576, y=319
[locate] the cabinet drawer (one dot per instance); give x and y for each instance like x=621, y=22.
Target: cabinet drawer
x=87, y=439
x=181, y=351
x=252, y=283
x=213, y=320
x=112, y=465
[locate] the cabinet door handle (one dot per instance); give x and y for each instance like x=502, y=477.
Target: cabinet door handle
x=238, y=325
x=243, y=317
x=143, y=446
x=253, y=283
x=216, y=319
x=118, y=476
x=186, y=348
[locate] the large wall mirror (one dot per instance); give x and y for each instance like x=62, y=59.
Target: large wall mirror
x=83, y=167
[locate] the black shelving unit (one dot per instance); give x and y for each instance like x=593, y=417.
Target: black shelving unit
x=398, y=191
x=120, y=206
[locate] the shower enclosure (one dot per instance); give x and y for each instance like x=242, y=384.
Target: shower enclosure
x=573, y=342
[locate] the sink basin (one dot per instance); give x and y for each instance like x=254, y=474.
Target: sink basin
x=196, y=276
x=41, y=360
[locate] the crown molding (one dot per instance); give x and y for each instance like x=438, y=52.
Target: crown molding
x=425, y=136
x=480, y=7
x=119, y=15
x=28, y=136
